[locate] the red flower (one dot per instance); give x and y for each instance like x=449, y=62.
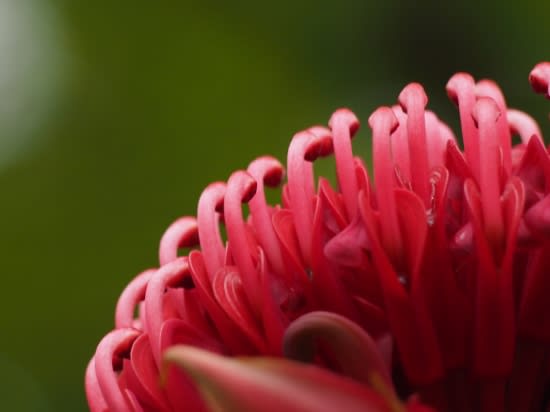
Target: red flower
x=428, y=287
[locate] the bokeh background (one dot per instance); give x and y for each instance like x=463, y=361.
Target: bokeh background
x=115, y=114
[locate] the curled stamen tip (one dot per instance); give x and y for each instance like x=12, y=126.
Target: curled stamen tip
x=268, y=169
x=485, y=109
x=457, y=83
x=301, y=146
x=540, y=78
x=320, y=145
x=412, y=94
x=184, y=232
x=113, y=347
x=213, y=193
x=488, y=88
x=485, y=85
x=320, y=132
x=244, y=184
x=383, y=117
x=347, y=117
x=522, y=124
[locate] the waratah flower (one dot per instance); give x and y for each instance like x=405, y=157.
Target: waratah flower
x=423, y=287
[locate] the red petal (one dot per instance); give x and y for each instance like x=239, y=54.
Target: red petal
x=534, y=168
x=283, y=223
x=143, y=376
x=415, y=338
x=231, y=336
x=272, y=385
x=325, y=283
x=230, y=294
x=494, y=328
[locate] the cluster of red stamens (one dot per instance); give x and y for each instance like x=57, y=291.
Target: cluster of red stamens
x=432, y=274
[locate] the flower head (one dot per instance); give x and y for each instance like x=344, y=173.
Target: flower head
x=423, y=287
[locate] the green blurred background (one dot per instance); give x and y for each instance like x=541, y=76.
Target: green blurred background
x=114, y=115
